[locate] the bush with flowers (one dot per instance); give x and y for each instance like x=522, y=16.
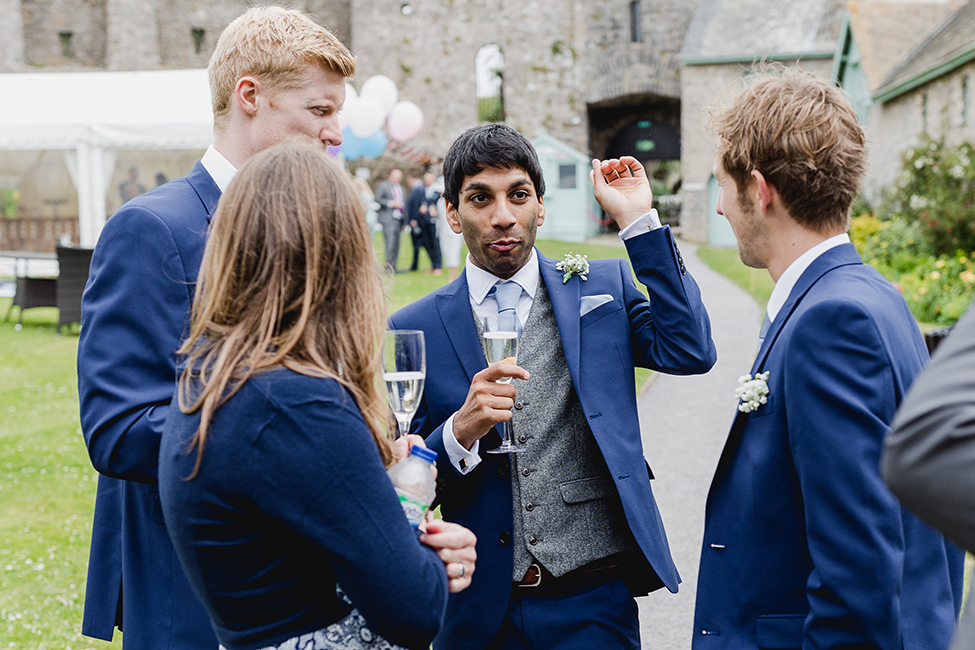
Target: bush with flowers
x=936, y=190
x=923, y=236
x=940, y=290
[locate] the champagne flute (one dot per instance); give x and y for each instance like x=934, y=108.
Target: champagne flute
x=404, y=371
x=501, y=345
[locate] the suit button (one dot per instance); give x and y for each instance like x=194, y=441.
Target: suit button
x=530, y=507
x=526, y=472
x=533, y=540
x=519, y=404
x=505, y=538
x=522, y=438
x=503, y=470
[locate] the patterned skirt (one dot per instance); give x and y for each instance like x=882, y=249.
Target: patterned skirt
x=351, y=633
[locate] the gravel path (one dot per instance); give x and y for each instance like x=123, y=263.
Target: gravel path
x=685, y=421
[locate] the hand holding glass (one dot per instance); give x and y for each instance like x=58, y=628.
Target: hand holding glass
x=404, y=371
x=501, y=345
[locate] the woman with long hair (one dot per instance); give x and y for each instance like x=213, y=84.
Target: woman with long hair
x=272, y=470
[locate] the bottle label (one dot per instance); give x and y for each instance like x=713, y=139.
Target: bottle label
x=414, y=508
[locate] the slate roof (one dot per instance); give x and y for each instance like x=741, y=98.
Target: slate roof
x=746, y=29
x=954, y=39
x=888, y=32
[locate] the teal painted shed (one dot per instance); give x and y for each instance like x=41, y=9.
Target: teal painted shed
x=571, y=211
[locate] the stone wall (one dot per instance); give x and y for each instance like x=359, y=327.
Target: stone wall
x=898, y=124
x=11, y=36
x=430, y=51
x=130, y=34
x=44, y=21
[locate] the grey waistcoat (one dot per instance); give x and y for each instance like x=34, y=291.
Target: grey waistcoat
x=566, y=509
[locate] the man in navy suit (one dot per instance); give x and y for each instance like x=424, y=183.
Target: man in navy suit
x=274, y=74
x=568, y=530
x=804, y=546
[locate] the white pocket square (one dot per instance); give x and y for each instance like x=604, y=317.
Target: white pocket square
x=588, y=303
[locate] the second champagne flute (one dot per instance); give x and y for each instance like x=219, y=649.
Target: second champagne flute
x=405, y=372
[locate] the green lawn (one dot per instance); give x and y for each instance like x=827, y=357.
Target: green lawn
x=47, y=485
x=725, y=261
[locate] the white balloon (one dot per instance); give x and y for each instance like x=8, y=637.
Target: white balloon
x=367, y=118
x=348, y=110
x=350, y=94
x=405, y=121
x=382, y=89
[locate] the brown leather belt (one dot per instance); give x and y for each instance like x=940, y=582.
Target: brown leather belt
x=537, y=577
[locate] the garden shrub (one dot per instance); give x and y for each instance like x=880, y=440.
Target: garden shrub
x=935, y=190
x=894, y=246
x=940, y=289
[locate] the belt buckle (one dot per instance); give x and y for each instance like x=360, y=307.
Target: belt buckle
x=538, y=572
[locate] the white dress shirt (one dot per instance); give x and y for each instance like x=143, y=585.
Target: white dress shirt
x=479, y=283
x=792, y=274
x=219, y=168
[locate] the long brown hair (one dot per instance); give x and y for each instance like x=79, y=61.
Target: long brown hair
x=289, y=278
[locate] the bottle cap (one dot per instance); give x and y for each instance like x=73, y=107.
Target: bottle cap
x=428, y=455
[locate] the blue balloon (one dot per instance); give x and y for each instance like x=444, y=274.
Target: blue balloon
x=351, y=144
x=374, y=145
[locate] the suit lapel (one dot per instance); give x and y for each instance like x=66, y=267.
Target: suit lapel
x=201, y=181
x=842, y=255
x=458, y=322
x=565, y=305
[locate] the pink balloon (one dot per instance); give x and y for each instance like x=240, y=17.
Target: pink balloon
x=405, y=121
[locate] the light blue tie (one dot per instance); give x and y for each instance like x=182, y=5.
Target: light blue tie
x=507, y=294
x=762, y=332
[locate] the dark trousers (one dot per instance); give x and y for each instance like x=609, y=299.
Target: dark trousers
x=603, y=616
x=426, y=238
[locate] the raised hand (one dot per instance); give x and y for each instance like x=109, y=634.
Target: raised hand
x=622, y=189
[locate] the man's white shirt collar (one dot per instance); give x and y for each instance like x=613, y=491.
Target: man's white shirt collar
x=479, y=281
x=787, y=281
x=219, y=168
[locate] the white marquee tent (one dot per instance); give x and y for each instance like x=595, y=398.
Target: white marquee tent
x=91, y=115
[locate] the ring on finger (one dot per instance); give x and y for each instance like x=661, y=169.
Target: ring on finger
x=463, y=570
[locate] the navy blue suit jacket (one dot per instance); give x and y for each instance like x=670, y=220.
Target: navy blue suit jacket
x=804, y=546
x=670, y=332
x=135, y=313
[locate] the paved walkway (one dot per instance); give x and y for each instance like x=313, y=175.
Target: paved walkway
x=685, y=421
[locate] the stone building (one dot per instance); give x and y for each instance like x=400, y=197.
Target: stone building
x=579, y=70
x=602, y=76
x=908, y=67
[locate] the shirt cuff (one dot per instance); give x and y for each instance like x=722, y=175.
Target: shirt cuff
x=464, y=461
x=649, y=221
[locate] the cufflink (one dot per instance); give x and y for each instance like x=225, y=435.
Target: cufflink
x=463, y=464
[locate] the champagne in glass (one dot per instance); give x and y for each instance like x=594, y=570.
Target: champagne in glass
x=404, y=371
x=501, y=346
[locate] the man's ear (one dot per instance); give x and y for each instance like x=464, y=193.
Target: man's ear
x=453, y=218
x=763, y=191
x=541, y=210
x=245, y=94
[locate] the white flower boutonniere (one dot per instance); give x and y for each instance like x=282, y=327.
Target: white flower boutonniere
x=753, y=392
x=573, y=265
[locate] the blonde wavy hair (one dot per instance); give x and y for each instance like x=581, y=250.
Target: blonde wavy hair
x=276, y=46
x=288, y=279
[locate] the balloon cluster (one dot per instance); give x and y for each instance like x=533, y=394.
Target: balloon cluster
x=365, y=113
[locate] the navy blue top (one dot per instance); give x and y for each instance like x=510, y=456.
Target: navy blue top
x=291, y=498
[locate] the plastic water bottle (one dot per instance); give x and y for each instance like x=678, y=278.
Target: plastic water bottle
x=414, y=483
